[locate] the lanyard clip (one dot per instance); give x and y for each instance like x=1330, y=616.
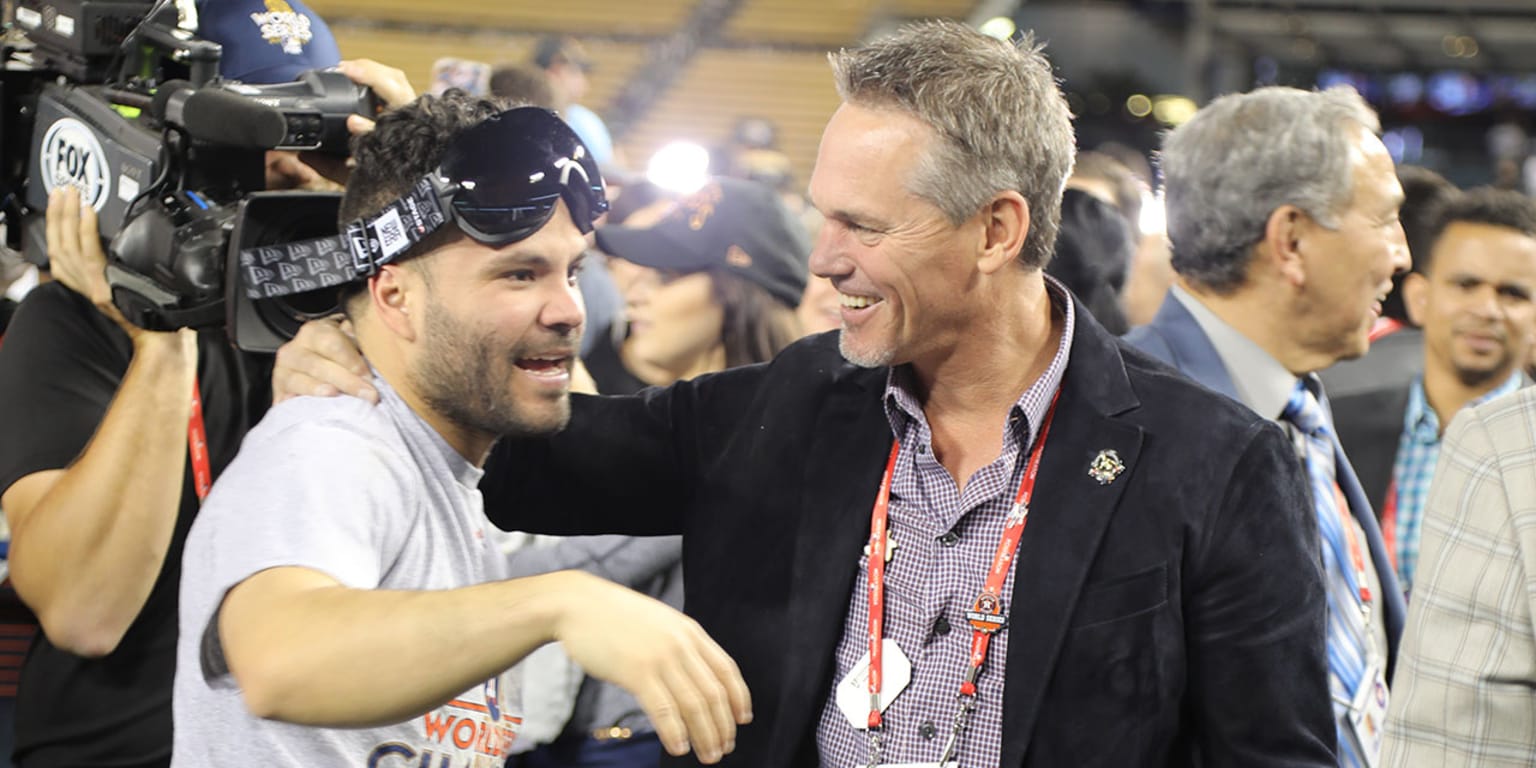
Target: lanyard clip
x=874, y=748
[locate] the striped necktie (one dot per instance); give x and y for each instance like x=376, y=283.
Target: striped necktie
x=1347, y=638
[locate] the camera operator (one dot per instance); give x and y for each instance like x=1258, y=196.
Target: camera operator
x=113, y=434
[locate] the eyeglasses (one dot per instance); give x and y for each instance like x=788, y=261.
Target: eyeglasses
x=499, y=182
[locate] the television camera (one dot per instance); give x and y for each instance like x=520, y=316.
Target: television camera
x=122, y=100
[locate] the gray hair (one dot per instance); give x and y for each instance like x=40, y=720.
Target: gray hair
x=1244, y=155
x=1001, y=120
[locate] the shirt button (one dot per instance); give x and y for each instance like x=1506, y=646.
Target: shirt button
x=922, y=450
x=949, y=539
x=927, y=730
x=941, y=627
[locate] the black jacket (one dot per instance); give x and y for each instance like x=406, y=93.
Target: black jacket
x=1172, y=617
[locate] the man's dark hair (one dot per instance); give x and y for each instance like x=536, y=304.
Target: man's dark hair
x=559, y=49
x=522, y=84
x=406, y=144
x=1483, y=205
x=1127, y=185
x=1423, y=191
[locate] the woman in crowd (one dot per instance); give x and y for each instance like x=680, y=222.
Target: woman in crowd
x=710, y=282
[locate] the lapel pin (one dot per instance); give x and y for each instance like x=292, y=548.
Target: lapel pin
x=1105, y=467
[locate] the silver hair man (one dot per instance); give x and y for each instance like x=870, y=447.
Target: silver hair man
x=1244, y=155
x=953, y=79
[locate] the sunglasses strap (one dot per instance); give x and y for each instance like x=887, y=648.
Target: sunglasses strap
x=366, y=244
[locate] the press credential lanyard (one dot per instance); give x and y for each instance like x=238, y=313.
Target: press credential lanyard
x=986, y=616
x=197, y=445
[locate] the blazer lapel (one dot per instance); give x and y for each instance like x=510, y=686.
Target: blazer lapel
x=1068, y=519
x=847, y=452
x=1193, y=353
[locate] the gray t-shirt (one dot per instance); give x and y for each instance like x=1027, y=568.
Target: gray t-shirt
x=374, y=498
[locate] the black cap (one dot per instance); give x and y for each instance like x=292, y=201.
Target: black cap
x=740, y=226
x=552, y=48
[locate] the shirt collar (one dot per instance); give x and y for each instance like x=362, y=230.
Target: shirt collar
x=1261, y=381
x=903, y=408
x=1421, y=421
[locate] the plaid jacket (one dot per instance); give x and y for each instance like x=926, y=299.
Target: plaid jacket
x=1465, y=690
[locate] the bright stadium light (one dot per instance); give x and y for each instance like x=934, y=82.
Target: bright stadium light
x=680, y=167
x=1154, y=216
x=1000, y=27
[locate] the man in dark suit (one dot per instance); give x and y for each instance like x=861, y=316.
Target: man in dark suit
x=1472, y=294
x=1282, y=213
x=859, y=492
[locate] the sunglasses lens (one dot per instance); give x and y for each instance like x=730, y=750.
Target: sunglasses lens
x=510, y=172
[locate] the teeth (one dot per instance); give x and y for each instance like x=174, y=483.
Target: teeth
x=856, y=302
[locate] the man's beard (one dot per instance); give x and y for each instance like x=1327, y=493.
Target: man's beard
x=468, y=379
x=862, y=357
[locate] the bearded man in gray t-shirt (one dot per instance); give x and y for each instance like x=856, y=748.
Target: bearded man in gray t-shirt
x=341, y=602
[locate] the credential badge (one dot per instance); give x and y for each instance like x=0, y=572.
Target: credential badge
x=1106, y=467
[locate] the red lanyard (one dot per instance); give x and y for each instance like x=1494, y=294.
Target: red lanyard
x=197, y=445
x=986, y=614
x=1357, y=559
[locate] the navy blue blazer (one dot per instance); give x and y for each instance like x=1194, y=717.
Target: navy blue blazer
x=1176, y=338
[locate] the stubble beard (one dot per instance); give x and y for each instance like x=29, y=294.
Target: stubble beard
x=468, y=379
x=877, y=357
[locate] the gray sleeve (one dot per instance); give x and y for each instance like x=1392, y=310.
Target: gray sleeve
x=312, y=493
x=628, y=560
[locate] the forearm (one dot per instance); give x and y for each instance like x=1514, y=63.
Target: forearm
x=306, y=650
x=88, y=542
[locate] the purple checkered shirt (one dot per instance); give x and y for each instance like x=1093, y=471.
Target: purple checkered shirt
x=946, y=540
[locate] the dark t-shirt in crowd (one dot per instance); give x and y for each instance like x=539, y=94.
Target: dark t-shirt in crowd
x=60, y=365
x=607, y=368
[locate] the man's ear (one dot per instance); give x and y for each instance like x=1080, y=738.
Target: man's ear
x=393, y=293
x=1285, y=233
x=1005, y=224
x=1415, y=295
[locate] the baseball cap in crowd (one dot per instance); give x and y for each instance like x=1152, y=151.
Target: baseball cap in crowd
x=562, y=48
x=267, y=41
x=739, y=226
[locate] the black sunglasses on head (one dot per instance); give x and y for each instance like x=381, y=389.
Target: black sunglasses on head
x=499, y=182
x=499, y=196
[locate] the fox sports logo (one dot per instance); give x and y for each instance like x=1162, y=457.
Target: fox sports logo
x=72, y=157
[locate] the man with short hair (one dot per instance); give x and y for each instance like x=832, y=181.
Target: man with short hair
x=341, y=602
x=1369, y=393
x=1282, y=214
x=1164, y=607
x=1472, y=294
x=565, y=63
